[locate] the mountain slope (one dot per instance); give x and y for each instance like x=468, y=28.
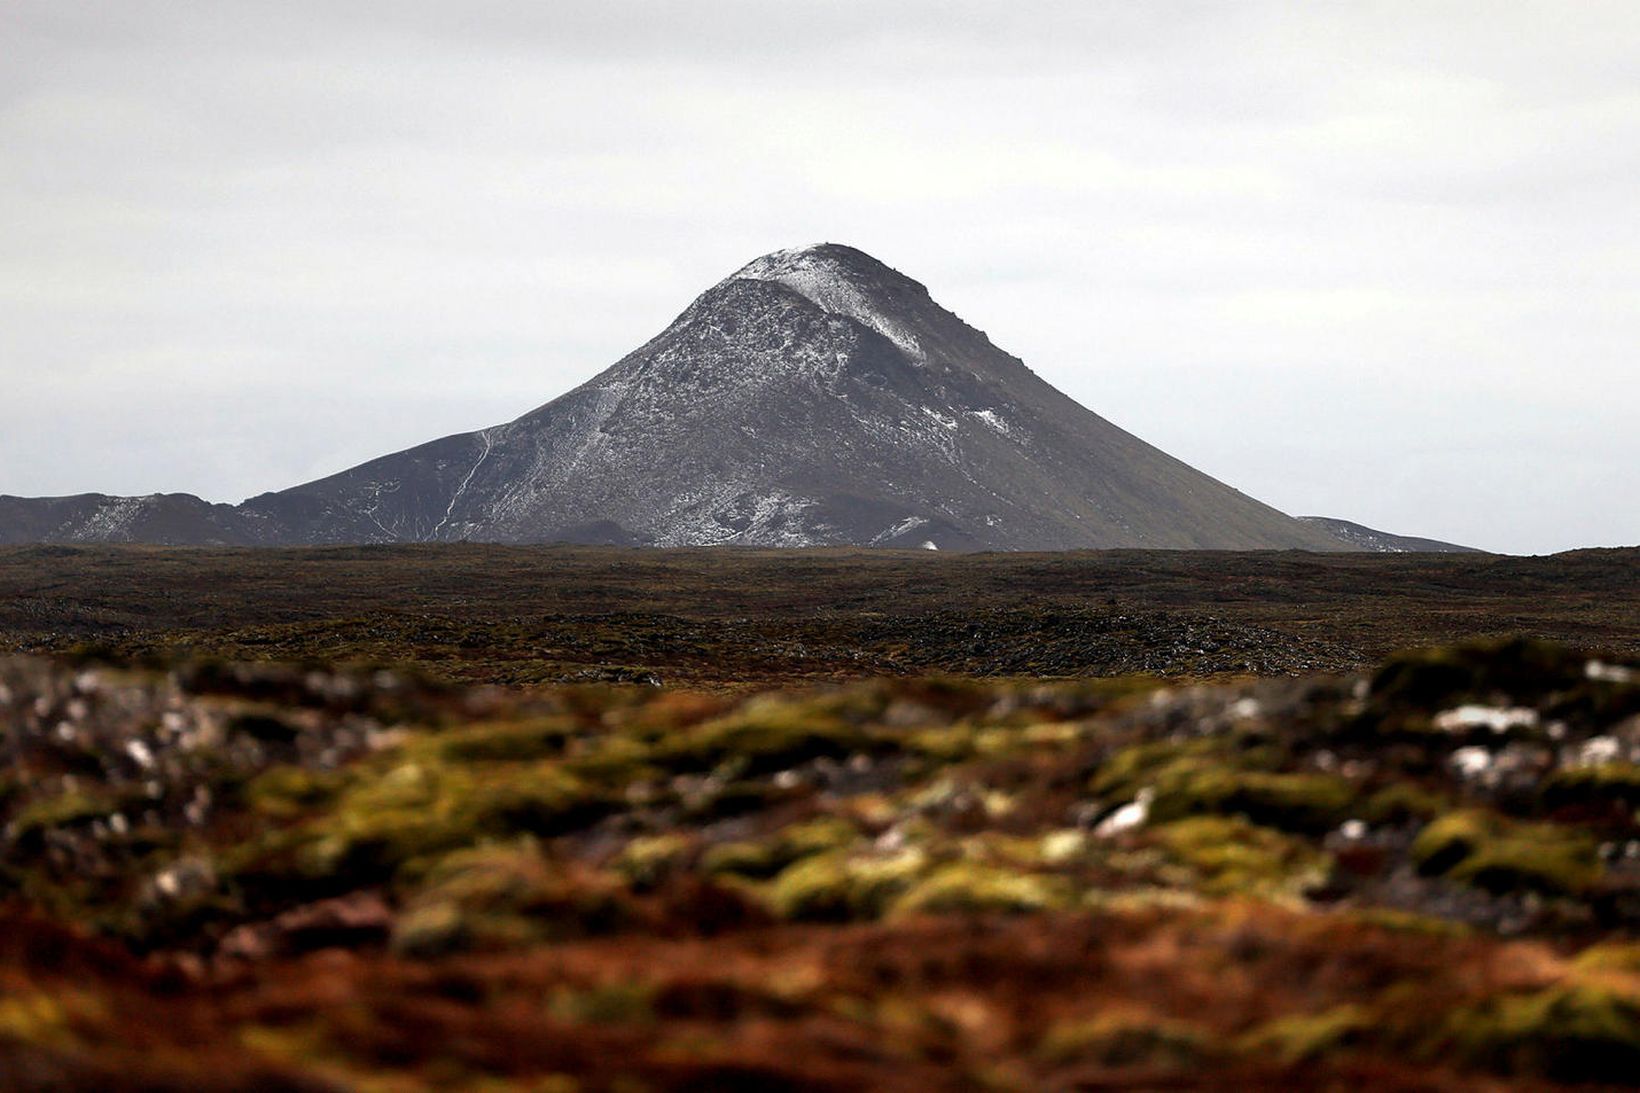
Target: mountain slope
x=172, y=519
x=815, y=396
x=1361, y=537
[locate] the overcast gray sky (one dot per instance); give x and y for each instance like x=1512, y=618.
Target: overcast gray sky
x=1370, y=260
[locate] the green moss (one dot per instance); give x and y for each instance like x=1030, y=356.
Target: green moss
x=286, y=792
x=764, y=735
x=431, y=929
x=69, y=809
x=538, y=738
x=503, y=896
x=1568, y=1033
x=1227, y=855
x=1409, y=922
x=613, y=763
x=1292, y=802
x=1009, y=851
x=1605, y=784
x=767, y=857
x=414, y=810
x=1429, y=679
x=1303, y=1038
x=1124, y=1040
x=650, y=859
x=1490, y=852
x=47, y=1020
x=1518, y=864
x=610, y=1004
x=837, y=886
x=944, y=744
x=1452, y=838
x=1401, y=802
x=971, y=888
x=756, y=860
x=1123, y=774
x=1214, y=776
x=1615, y=956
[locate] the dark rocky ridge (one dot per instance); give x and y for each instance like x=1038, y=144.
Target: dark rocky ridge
x=814, y=397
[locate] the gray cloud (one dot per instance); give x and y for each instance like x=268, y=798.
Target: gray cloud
x=1374, y=260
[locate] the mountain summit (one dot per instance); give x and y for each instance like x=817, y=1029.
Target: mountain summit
x=815, y=396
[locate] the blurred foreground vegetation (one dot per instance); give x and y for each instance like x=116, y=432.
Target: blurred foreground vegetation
x=232, y=876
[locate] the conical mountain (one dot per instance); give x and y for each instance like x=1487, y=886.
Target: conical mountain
x=816, y=396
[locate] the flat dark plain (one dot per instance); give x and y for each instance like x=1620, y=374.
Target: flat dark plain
x=728, y=617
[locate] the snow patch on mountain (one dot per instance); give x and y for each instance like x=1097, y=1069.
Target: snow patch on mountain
x=484, y=435
x=811, y=272
x=112, y=520
x=894, y=531
x=994, y=420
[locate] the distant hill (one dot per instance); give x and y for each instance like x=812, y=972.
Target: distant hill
x=1361, y=537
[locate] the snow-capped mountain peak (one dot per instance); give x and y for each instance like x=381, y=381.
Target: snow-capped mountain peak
x=841, y=281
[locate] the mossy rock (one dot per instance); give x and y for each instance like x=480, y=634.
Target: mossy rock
x=70, y=809
x=765, y=858
x=1429, y=679
x=1595, y=703
x=1308, y=1038
x=972, y=888
x=1403, y=802
x=1129, y=770
x=1216, y=776
x=1614, y=956
x=1448, y=840
x=1566, y=1033
x=649, y=859
x=945, y=744
x=497, y=897
x=431, y=929
x=49, y=1019
x=286, y=792
x=515, y=741
x=1601, y=786
x=1229, y=856
x=1515, y=865
x=416, y=810
x=1410, y=922
x=1125, y=1040
x=613, y=763
x=837, y=886
x=753, y=860
x=1492, y=853
x=764, y=736
x=1310, y=803
x=609, y=1004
